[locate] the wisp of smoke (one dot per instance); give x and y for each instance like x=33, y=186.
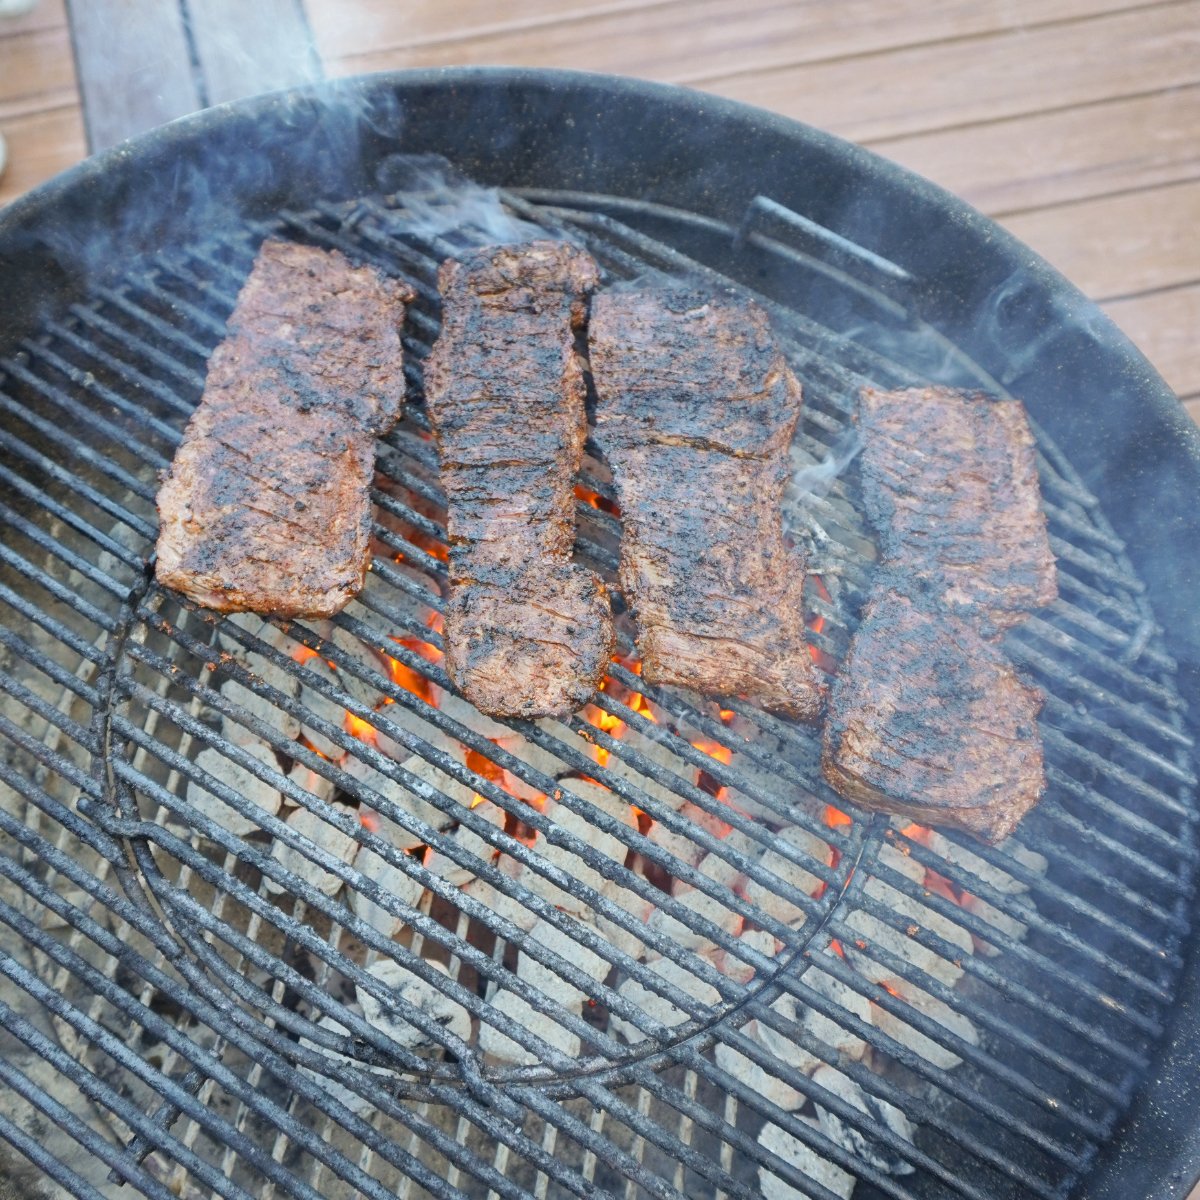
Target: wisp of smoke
x=438, y=200
x=818, y=478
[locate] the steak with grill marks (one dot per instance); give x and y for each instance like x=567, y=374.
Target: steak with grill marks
x=695, y=412
x=928, y=719
x=528, y=632
x=950, y=483
x=266, y=507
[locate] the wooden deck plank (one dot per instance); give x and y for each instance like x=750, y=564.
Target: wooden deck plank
x=1165, y=326
x=36, y=71
x=40, y=145
x=46, y=14
x=1028, y=162
x=647, y=41
x=944, y=84
x=131, y=83
x=1122, y=245
x=244, y=49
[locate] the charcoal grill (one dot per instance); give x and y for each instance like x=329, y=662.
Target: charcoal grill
x=643, y=952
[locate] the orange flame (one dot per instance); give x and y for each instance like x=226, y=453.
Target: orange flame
x=368, y=820
x=363, y=730
x=704, y=780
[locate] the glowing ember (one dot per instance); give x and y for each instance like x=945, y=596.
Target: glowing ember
x=704, y=781
x=606, y=723
x=303, y=654
x=816, y=624
x=602, y=503
x=835, y=818
x=368, y=820
x=728, y=716
x=363, y=730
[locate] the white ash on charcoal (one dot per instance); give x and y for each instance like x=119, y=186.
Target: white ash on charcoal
x=858, y=1141
x=313, y=783
x=638, y=908
x=550, y=984
x=787, y=1047
x=658, y=751
x=1004, y=923
x=257, y=792
x=329, y=1083
x=286, y=725
x=410, y=993
x=323, y=835
x=808, y=848
x=758, y=1079
x=388, y=789
x=506, y=908
x=658, y=1008
x=899, y=1030
x=728, y=962
x=321, y=706
x=681, y=845
x=582, y=827
x=915, y=917
x=993, y=876
x=477, y=847
x=391, y=880
x=683, y=932
x=808, y=1162
x=365, y=691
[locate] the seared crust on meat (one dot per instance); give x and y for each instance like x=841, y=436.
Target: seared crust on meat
x=928, y=719
x=266, y=506
x=950, y=482
x=696, y=409
x=528, y=633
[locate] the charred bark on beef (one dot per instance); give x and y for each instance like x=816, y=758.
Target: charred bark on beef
x=266, y=507
x=927, y=718
x=528, y=633
x=696, y=409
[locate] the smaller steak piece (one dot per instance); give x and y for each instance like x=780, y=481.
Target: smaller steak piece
x=696, y=410
x=950, y=482
x=266, y=507
x=929, y=720
x=528, y=633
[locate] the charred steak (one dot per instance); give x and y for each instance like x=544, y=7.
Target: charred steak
x=266, y=506
x=928, y=719
x=696, y=408
x=528, y=633
x=950, y=483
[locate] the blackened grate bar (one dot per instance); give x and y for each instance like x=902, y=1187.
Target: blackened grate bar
x=664, y=936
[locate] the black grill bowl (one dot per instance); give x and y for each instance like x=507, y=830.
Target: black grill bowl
x=869, y=244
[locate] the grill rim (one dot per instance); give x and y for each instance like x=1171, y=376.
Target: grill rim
x=967, y=253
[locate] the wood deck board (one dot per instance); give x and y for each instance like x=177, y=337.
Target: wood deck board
x=645, y=41
x=1029, y=162
x=1075, y=122
x=1006, y=74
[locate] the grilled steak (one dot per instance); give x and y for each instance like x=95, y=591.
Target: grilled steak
x=696, y=408
x=266, y=506
x=928, y=719
x=950, y=483
x=528, y=633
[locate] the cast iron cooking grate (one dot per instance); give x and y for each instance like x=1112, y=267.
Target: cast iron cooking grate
x=296, y=921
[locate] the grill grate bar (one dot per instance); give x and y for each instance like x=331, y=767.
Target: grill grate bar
x=82, y=413
x=21, y=1085
x=200, y=986
x=85, y=491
